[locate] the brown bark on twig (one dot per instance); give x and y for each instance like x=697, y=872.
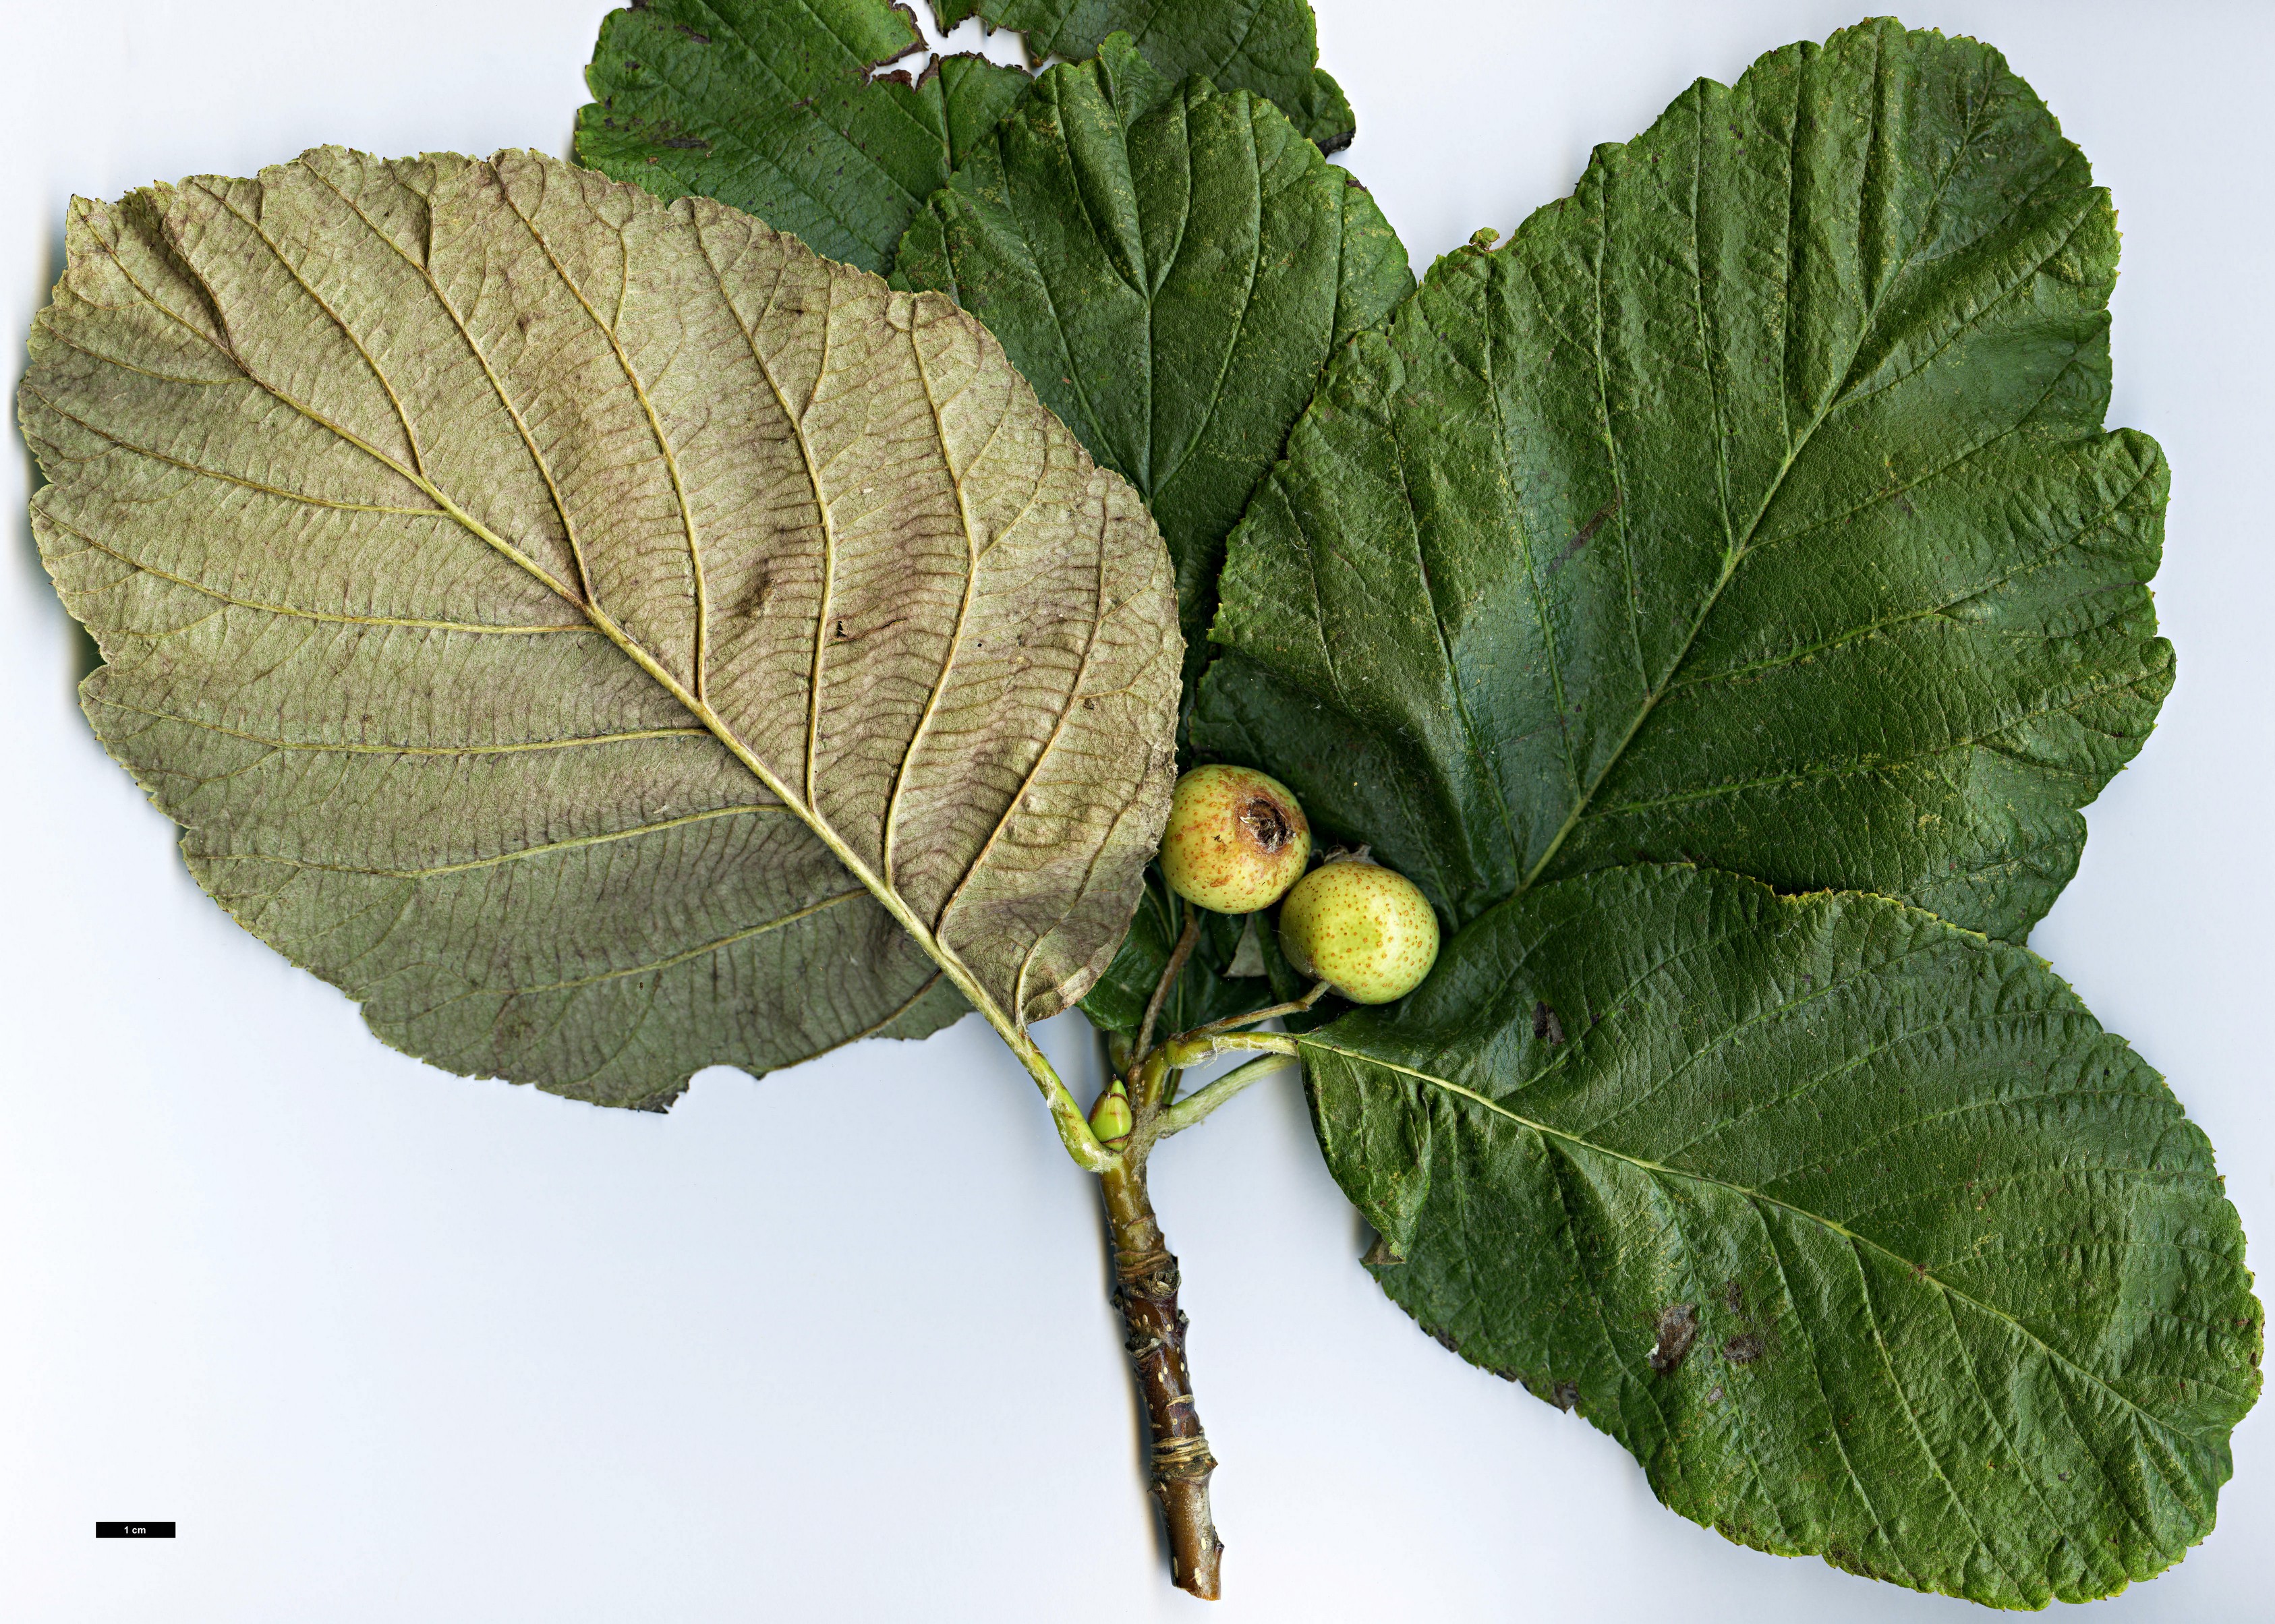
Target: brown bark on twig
x=1145, y=1291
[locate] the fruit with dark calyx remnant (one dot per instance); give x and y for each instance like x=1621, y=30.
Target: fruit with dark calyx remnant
x=1236, y=840
x=1366, y=931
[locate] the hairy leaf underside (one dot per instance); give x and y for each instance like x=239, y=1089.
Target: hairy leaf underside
x=606, y=639
x=1172, y=269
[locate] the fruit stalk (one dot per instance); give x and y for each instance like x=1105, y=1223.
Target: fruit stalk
x=1146, y=1292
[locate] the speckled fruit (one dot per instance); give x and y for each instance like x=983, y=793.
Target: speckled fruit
x=1236, y=841
x=1363, y=929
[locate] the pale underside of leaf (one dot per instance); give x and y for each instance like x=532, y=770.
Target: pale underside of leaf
x=1752, y=506
x=1172, y=268
x=606, y=639
x=1855, y=1228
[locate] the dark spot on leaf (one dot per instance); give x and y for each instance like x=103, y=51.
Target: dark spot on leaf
x=700, y=39
x=693, y=143
x=1678, y=1328
x=1742, y=1349
x=1447, y=1341
x=1546, y=1026
x=1566, y=1396
x=1381, y=1255
x=1586, y=533
x=1732, y=1298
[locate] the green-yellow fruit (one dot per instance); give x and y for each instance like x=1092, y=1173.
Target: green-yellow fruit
x=1365, y=931
x=1109, y=1118
x=1236, y=841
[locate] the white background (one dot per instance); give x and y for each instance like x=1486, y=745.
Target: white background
x=391, y=1345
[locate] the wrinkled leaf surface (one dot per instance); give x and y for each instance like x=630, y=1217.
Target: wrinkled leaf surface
x=1172, y=269
x=1751, y=506
x=769, y=105
x=1270, y=47
x=1855, y=1228
x=606, y=639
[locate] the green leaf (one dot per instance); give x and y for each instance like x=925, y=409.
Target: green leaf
x=1206, y=991
x=1172, y=269
x=769, y=105
x=1855, y=1228
x=1270, y=47
x=605, y=639
x=1751, y=506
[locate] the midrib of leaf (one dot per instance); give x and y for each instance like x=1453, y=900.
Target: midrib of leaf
x=1658, y=1170
x=1470, y=733
x=1240, y=318
x=1013, y=1032
x=1075, y=374
x=1736, y=553
x=779, y=96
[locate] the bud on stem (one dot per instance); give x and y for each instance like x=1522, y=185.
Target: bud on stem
x=1109, y=1118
